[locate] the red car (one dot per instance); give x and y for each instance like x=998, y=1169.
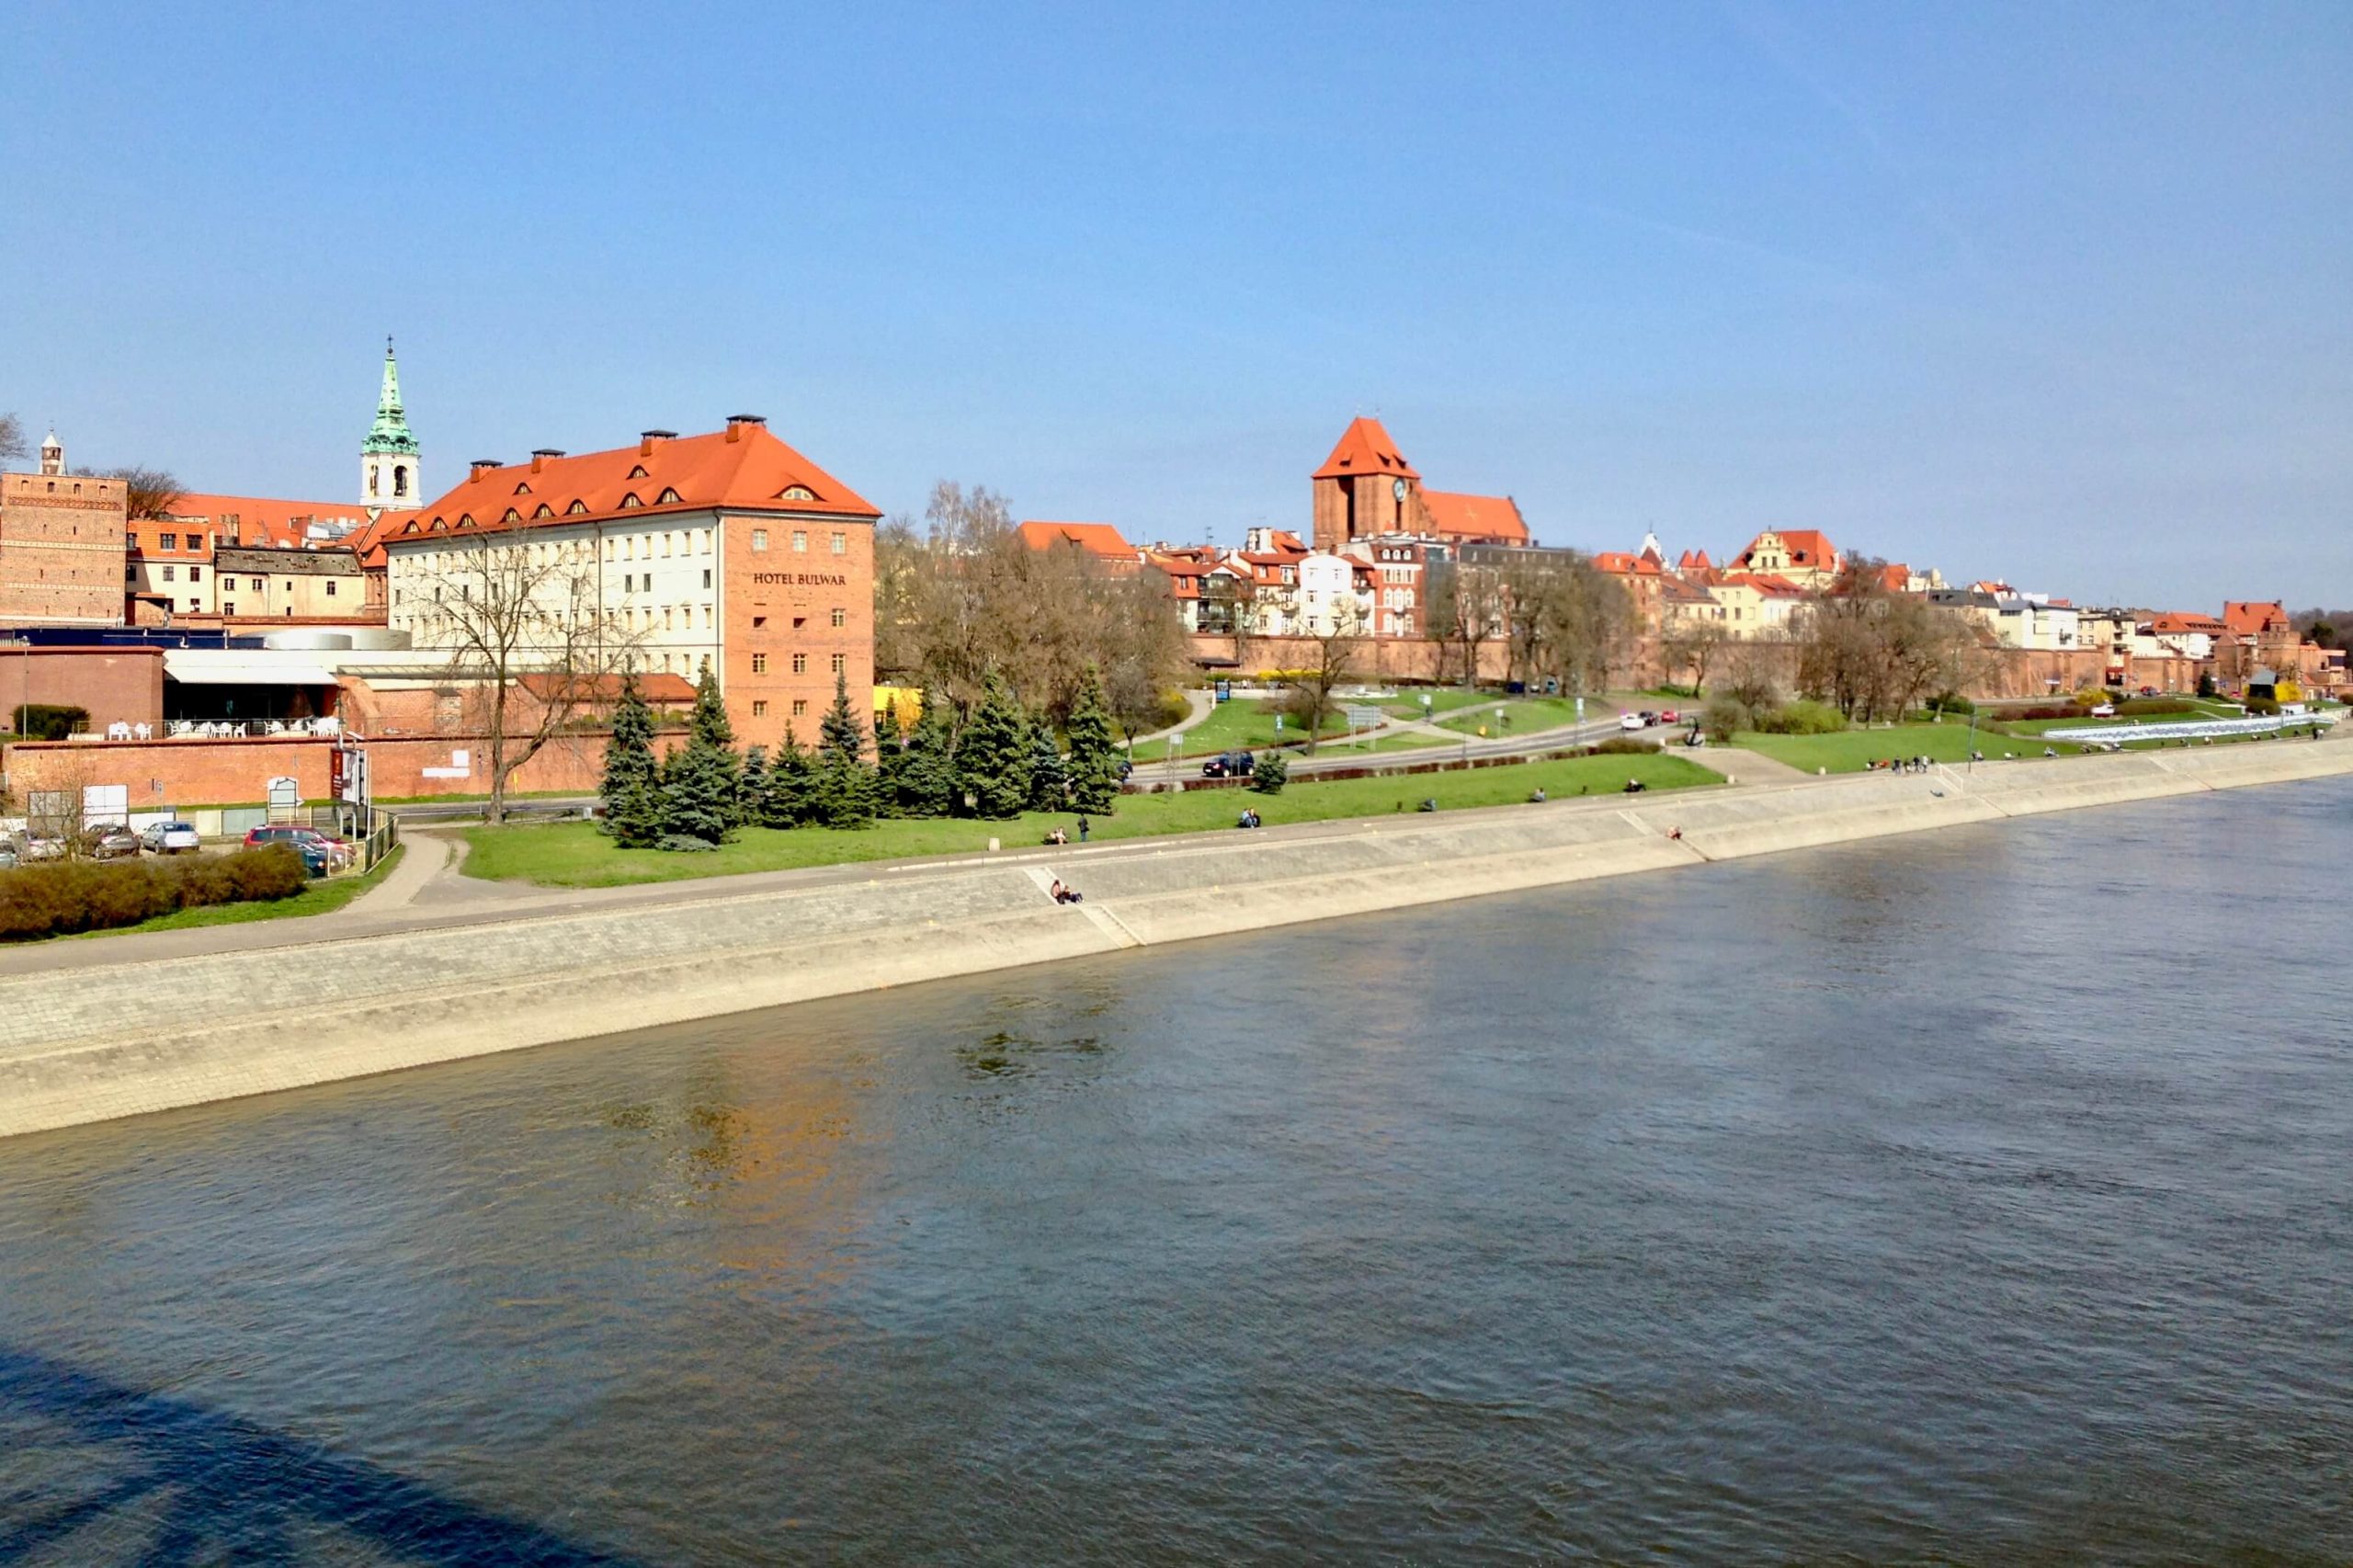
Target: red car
x=335, y=848
x=1670, y=717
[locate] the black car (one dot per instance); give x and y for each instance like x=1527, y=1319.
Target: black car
x=1229, y=764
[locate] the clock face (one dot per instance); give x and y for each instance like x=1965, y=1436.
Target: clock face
x=1397, y=488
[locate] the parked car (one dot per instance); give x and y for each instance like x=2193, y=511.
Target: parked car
x=7, y=855
x=169, y=838
x=336, y=852
x=2103, y=709
x=317, y=861
x=1632, y=722
x=109, y=841
x=42, y=846
x=1648, y=716
x=1669, y=716
x=2148, y=692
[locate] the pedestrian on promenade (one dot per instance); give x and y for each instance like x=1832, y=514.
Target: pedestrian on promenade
x=1083, y=826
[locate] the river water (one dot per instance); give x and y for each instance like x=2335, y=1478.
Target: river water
x=1982, y=1195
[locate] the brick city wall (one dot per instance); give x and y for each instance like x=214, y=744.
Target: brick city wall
x=117, y=685
x=188, y=772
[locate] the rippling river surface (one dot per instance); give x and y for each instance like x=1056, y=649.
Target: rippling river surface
x=1981, y=1195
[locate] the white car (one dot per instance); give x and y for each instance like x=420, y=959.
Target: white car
x=1632, y=721
x=2103, y=709
x=169, y=838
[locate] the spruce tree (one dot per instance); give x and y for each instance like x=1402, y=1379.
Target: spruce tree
x=751, y=786
x=791, y=785
x=993, y=756
x=631, y=788
x=845, y=783
x=1094, y=761
x=1048, y=790
x=926, y=783
x=709, y=728
x=698, y=794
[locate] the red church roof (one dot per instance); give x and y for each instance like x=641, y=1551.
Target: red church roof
x=1365, y=447
x=742, y=468
x=1095, y=539
x=261, y=521
x=1478, y=517
x=2248, y=617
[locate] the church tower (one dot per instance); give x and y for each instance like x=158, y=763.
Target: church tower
x=389, y=479
x=1366, y=488
x=52, y=455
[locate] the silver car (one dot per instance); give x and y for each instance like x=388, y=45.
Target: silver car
x=169, y=838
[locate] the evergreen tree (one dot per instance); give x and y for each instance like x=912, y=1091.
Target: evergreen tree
x=791, y=785
x=993, y=754
x=709, y=728
x=698, y=793
x=1048, y=788
x=926, y=773
x=752, y=788
x=631, y=788
x=844, y=792
x=890, y=759
x=1094, y=761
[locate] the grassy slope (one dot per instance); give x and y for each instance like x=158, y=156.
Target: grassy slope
x=1239, y=725
x=1948, y=741
x=576, y=854
x=319, y=898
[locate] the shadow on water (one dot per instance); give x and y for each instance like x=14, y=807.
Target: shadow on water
x=201, y=1486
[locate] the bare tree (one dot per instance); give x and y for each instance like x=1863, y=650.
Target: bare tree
x=518, y=621
x=147, y=492
x=12, y=439
x=1466, y=610
x=1690, y=645
x=1333, y=652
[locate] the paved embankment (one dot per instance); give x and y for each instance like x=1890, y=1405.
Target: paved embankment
x=90, y=1043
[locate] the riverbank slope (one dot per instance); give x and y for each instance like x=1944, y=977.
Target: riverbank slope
x=90, y=1043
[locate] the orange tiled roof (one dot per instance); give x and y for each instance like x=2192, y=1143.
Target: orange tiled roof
x=1772, y=584
x=261, y=520
x=1807, y=547
x=1895, y=576
x=1365, y=447
x=1621, y=564
x=2248, y=617
x=1488, y=518
x=1095, y=539
x=1694, y=561
x=2176, y=622
x=742, y=468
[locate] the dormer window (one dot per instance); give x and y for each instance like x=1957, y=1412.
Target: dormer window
x=629, y=501
x=798, y=493
x=667, y=499
x=512, y=516
x=523, y=488
x=545, y=511
x=575, y=509
x=638, y=471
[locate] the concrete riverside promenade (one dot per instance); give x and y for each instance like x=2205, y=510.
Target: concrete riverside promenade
x=93, y=1037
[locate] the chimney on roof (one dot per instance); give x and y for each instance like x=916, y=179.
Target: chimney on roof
x=539, y=456
x=481, y=466
x=648, y=439
x=735, y=423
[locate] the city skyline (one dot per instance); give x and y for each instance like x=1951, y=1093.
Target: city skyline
x=2057, y=299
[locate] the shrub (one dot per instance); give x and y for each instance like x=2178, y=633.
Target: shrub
x=1624, y=745
x=681, y=844
x=1725, y=716
x=1951, y=702
x=2261, y=707
x=1802, y=717
x=49, y=720
x=56, y=897
x=1269, y=773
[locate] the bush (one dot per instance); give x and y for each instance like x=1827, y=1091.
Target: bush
x=1802, y=717
x=1269, y=773
x=1951, y=702
x=682, y=843
x=49, y=720
x=2261, y=707
x=1724, y=716
x=1624, y=745
x=56, y=897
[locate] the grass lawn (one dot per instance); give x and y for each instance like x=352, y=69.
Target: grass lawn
x=321, y=897
x=577, y=855
x=1523, y=715
x=1239, y=725
x=1847, y=753
x=1407, y=704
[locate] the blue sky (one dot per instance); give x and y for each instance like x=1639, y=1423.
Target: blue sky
x=2062, y=293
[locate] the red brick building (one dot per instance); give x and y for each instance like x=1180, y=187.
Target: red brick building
x=61, y=545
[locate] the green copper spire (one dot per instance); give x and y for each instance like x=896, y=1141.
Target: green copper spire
x=390, y=432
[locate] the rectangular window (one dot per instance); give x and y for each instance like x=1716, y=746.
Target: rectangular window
x=841, y=544
x=759, y=709
x=702, y=542
x=841, y=616
x=799, y=541
x=706, y=576
x=707, y=619
x=195, y=574
x=196, y=541
x=609, y=549
x=256, y=584
x=799, y=707
x=330, y=588
x=760, y=539
x=228, y=609
x=841, y=663
x=168, y=573
x=759, y=663
x=800, y=663
x=167, y=541
x=758, y=621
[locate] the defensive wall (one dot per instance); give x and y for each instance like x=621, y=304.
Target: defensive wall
x=94, y=1043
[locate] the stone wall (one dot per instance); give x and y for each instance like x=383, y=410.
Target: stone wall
x=117, y=685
